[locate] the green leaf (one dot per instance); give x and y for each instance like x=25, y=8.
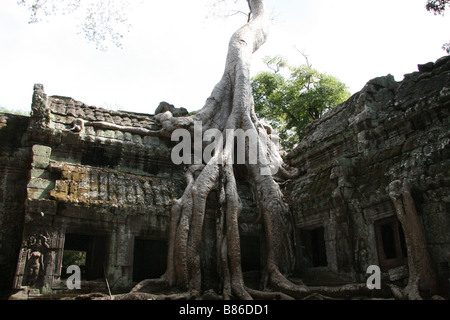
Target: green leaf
x=290, y=104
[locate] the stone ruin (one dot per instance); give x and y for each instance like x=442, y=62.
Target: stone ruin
x=80, y=180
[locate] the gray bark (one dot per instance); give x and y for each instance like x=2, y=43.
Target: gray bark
x=421, y=270
x=231, y=106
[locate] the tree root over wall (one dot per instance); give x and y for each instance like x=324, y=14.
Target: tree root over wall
x=231, y=107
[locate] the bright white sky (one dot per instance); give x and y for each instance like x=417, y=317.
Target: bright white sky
x=174, y=54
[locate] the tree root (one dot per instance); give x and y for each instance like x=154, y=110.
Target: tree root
x=410, y=292
x=284, y=290
x=151, y=285
x=230, y=107
x=421, y=270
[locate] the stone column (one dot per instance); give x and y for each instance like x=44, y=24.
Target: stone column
x=120, y=262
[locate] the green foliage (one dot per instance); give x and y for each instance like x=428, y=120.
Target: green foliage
x=290, y=103
x=438, y=7
x=73, y=258
x=16, y=112
x=446, y=47
x=275, y=63
x=101, y=21
x=76, y=258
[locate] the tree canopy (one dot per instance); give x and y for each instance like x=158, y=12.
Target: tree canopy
x=13, y=111
x=101, y=21
x=289, y=103
x=438, y=7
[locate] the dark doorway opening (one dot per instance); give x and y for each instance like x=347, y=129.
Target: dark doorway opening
x=314, y=249
x=250, y=253
x=86, y=251
x=150, y=259
x=390, y=243
x=388, y=239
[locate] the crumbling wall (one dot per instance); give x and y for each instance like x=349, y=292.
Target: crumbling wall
x=14, y=168
x=94, y=174
x=105, y=175
x=73, y=169
x=93, y=181
x=388, y=131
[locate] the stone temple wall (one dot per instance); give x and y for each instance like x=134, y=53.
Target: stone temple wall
x=388, y=131
x=79, y=178
x=105, y=187
x=108, y=186
x=14, y=168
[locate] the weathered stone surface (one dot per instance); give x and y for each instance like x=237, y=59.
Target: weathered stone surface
x=15, y=159
x=116, y=187
x=176, y=112
x=387, y=131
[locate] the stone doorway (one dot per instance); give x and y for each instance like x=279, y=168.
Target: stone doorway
x=313, y=245
x=150, y=259
x=86, y=251
x=391, y=243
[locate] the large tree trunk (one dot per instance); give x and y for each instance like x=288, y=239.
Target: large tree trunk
x=421, y=270
x=231, y=106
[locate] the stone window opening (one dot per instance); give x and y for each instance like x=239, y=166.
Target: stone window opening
x=86, y=251
x=391, y=243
